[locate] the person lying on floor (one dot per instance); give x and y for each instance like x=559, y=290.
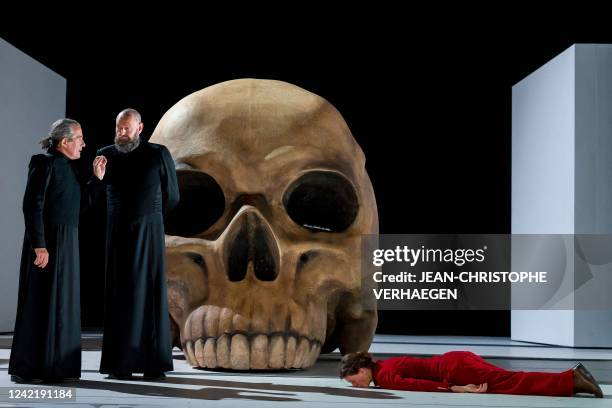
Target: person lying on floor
x=462, y=371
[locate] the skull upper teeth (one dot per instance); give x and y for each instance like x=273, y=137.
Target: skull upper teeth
x=255, y=352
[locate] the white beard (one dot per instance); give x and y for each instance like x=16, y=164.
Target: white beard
x=127, y=146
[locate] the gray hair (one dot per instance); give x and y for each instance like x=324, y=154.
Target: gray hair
x=130, y=112
x=60, y=129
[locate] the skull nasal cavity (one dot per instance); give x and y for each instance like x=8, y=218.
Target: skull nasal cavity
x=252, y=245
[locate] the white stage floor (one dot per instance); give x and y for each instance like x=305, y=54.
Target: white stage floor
x=320, y=386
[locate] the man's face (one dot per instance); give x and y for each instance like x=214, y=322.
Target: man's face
x=127, y=129
x=72, y=147
x=361, y=378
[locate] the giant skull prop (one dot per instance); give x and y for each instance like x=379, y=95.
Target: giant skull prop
x=263, y=250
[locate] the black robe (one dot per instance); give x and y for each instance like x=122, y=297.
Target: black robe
x=141, y=186
x=47, y=337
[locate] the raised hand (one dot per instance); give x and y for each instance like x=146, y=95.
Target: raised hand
x=99, y=166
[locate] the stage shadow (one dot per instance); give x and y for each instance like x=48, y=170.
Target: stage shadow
x=221, y=389
x=343, y=392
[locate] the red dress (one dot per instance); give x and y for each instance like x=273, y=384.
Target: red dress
x=438, y=373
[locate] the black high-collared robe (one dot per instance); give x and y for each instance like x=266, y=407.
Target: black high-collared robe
x=141, y=186
x=47, y=337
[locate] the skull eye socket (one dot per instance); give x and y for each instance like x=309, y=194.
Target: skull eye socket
x=322, y=201
x=202, y=204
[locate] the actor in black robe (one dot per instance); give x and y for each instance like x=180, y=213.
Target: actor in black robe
x=141, y=186
x=47, y=338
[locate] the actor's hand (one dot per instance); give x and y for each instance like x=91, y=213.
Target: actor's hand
x=478, y=389
x=42, y=257
x=99, y=166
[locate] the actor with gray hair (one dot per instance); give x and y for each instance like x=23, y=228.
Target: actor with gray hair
x=47, y=339
x=60, y=129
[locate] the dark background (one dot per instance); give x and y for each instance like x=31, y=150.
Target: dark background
x=431, y=109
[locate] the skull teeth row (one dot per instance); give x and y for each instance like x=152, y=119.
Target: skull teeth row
x=258, y=352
